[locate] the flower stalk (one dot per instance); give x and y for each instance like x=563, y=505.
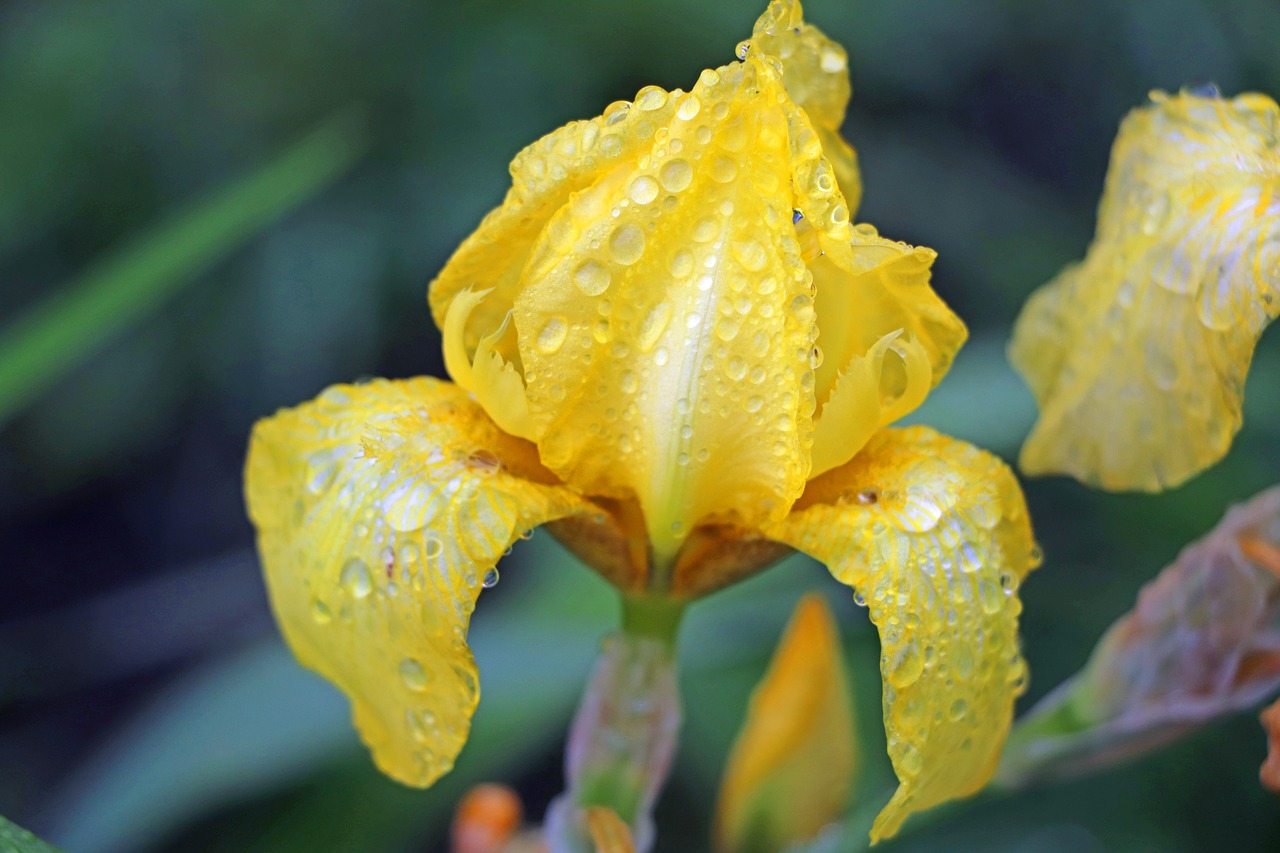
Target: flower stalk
x=624, y=734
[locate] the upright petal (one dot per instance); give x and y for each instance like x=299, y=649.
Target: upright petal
x=1138, y=354
x=934, y=536
x=816, y=74
x=380, y=508
x=666, y=322
x=544, y=176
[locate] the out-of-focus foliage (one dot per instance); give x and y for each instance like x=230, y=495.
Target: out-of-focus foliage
x=145, y=701
x=15, y=839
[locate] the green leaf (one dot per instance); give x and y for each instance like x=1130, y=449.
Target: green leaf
x=15, y=839
x=55, y=336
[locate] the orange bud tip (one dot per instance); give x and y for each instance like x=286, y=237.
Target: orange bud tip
x=486, y=817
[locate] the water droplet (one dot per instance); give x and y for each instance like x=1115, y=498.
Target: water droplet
x=833, y=61
x=643, y=189
x=751, y=254
x=1008, y=582
x=467, y=677
x=724, y=170
x=968, y=556
x=626, y=244
x=682, y=263
x=650, y=98
x=491, y=578
x=867, y=497
x=676, y=175
x=688, y=107
x=859, y=599
x=552, y=336
x=958, y=709
x=754, y=403
x=796, y=216
x=744, y=47
x=802, y=309
x=910, y=761
x=322, y=468
x=432, y=545
x=628, y=382
x=815, y=357
x=355, y=578
x=905, y=664
x=592, y=277
x=414, y=676
x=320, y=612
x=1162, y=367
x=655, y=323
x=990, y=596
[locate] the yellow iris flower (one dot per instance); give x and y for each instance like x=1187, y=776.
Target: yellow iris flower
x=671, y=345
x=1138, y=354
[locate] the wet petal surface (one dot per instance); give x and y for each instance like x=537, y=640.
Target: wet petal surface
x=380, y=509
x=1138, y=354
x=933, y=535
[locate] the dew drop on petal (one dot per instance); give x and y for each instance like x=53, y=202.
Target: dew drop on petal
x=413, y=675
x=553, y=335
x=491, y=578
x=650, y=98
x=592, y=277
x=676, y=175
x=643, y=189
x=689, y=106
x=626, y=244
x=320, y=612
x=355, y=578
x=654, y=324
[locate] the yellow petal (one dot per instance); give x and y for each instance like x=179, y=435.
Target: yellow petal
x=667, y=348
x=1138, y=354
x=886, y=339
x=859, y=403
x=794, y=763
x=816, y=74
x=544, y=176
x=495, y=382
x=609, y=834
x=933, y=534
x=379, y=509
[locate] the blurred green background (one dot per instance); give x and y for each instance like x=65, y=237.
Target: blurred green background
x=209, y=210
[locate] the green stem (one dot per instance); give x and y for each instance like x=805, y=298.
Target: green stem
x=654, y=617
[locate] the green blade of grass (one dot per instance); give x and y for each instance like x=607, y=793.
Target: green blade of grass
x=56, y=335
x=15, y=839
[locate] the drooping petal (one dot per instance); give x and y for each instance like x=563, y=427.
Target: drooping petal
x=1138, y=354
x=794, y=762
x=667, y=348
x=816, y=75
x=934, y=536
x=379, y=509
